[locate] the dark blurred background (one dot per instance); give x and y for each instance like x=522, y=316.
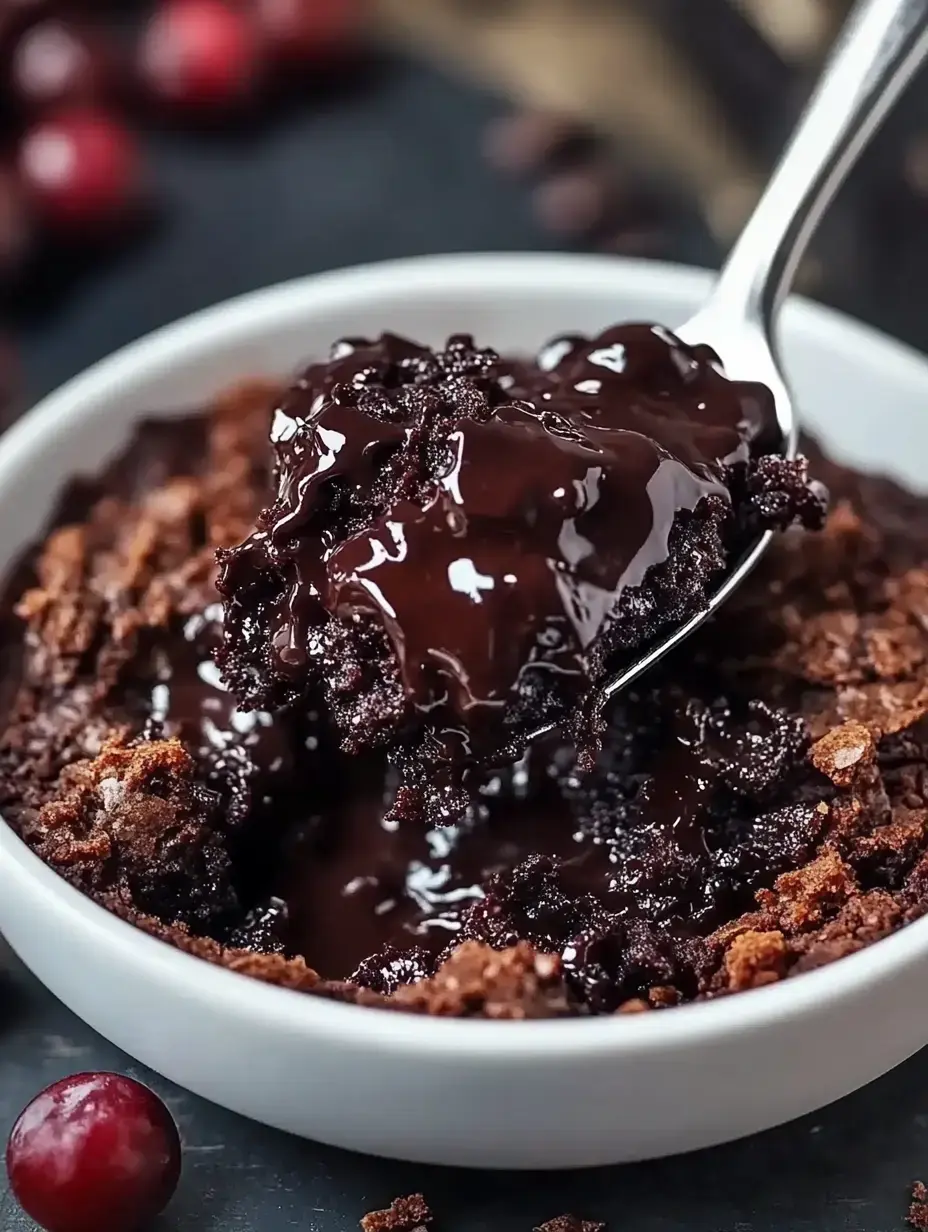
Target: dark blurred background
x=155, y=158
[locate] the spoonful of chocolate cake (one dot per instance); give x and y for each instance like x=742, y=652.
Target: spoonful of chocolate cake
x=464, y=550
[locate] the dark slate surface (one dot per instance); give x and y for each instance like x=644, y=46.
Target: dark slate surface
x=390, y=171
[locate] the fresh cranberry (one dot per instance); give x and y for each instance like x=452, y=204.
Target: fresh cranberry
x=202, y=55
x=298, y=31
x=56, y=63
x=94, y=1152
x=81, y=168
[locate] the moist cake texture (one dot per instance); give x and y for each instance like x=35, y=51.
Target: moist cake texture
x=460, y=546
x=758, y=807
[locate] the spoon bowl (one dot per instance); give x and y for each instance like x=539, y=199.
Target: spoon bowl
x=752, y=359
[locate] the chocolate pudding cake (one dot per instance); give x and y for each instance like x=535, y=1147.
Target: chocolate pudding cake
x=257, y=786
x=461, y=546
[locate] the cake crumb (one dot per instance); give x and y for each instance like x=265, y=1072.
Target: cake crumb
x=754, y=959
x=918, y=1208
x=844, y=752
x=409, y=1214
x=805, y=897
x=514, y=983
x=571, y=1223
x=132, y=823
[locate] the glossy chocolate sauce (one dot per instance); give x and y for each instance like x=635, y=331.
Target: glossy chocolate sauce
x=259, y=763
x=488, y=516
x=357, y=882
x=485, y=518
x=359, y=893
x=674, y=831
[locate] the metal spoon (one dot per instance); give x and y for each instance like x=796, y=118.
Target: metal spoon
x=877, y=53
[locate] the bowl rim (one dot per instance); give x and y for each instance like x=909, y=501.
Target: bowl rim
x=508, y=1042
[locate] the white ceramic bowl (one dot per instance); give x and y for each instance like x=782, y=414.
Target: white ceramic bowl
x=522, y=1095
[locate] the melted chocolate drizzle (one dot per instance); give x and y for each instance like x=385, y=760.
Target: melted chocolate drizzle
x=571, y=474
x=487, y=516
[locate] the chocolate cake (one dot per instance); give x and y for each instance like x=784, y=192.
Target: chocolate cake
x=461, y=546
x=757, y=809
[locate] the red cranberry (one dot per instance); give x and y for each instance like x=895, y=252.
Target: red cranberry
x=201, y=55
x=94, y=1152
x=80, y=167
x=57, y=63
x=301, y=30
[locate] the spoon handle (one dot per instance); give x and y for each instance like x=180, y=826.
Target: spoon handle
x=877, y=53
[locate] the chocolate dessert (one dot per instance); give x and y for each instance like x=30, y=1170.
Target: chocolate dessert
x=460, y=546
x=758, y=806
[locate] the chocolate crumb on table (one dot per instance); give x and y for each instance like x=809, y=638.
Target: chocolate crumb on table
x=918, y=1208
x=570, y=1223
x=410, y=1214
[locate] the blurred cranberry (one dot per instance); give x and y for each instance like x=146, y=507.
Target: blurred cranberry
x=298, y=31
x=57, y=63
x=94, y=1152
x=203, y=55
x=15, y=225
x=81, y=167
